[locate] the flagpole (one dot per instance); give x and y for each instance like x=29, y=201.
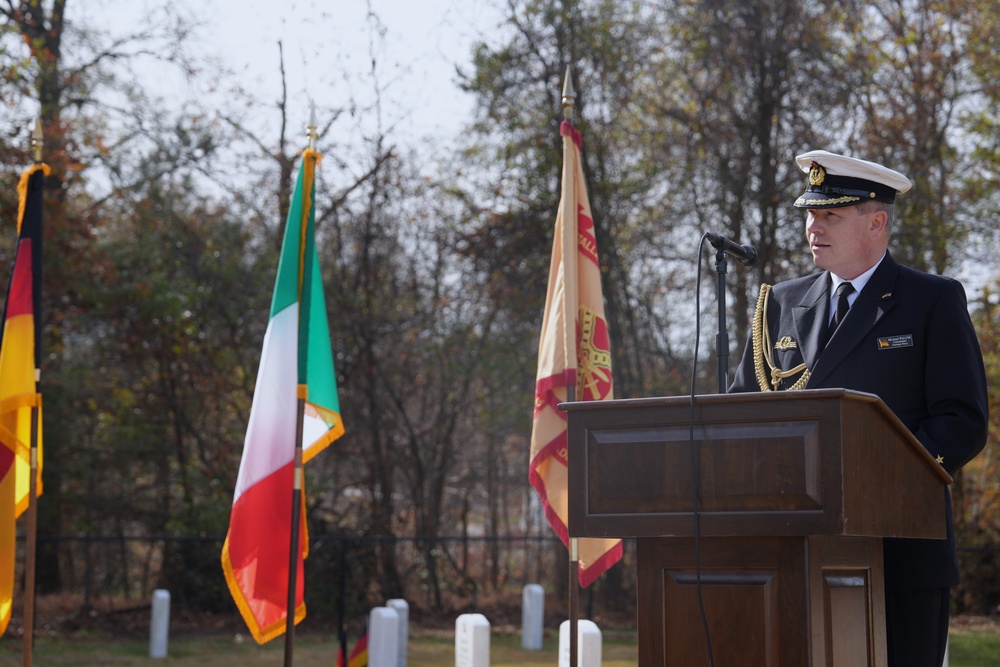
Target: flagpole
x=31, y=538
x=299, y=473
x=37, y=140
x=570, y=308
x=293, y=553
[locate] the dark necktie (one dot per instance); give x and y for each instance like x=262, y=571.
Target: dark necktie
x=843, y=291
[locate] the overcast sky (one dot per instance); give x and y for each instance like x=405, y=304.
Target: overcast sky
x=328, y=47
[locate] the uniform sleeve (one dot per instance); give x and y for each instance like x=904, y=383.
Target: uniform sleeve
x=745, y=378
x=955, y=428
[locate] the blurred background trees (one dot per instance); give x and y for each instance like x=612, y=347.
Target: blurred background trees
x=163, y=223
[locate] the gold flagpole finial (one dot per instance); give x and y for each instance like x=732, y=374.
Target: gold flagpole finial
x=37, y=140
x=568, y=95
x=311, y=127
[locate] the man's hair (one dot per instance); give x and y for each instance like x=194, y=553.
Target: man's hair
x=872, y=205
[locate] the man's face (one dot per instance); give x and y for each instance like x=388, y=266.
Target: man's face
x=843, y=240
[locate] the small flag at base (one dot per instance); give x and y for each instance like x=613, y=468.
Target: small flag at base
x=342, y=652
x=359, y=655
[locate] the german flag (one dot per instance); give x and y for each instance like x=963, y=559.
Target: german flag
x=359, y=656
x=20, y=349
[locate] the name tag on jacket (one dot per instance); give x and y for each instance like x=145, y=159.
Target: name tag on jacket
x=892, y=342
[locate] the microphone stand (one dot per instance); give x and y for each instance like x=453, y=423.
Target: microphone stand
x=722, y=338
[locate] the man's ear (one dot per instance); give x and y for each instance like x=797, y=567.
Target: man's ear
x=878, y=222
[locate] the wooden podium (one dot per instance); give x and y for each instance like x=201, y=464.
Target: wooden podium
x=795, y=491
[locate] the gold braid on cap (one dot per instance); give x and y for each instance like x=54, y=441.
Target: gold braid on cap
x=762, y=351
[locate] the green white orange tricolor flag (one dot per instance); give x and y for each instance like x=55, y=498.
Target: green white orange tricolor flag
x=296, y=360
x=574, y=350
x=19, y=362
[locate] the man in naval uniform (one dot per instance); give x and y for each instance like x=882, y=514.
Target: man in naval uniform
x=866, y=323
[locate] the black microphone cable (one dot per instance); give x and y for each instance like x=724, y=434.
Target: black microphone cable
x=693, y=453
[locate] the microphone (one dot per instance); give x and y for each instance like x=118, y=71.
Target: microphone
x=745, y=253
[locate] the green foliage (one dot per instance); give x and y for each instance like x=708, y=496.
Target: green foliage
x=170, y=351
x=914, y=60
x=976, y=493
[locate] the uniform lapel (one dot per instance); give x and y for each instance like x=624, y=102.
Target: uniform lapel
x=811, y=316
x=874, y=301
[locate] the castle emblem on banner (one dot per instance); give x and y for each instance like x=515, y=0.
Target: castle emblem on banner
x=594, y=357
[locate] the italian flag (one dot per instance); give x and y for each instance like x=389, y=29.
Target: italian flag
x=296, y=361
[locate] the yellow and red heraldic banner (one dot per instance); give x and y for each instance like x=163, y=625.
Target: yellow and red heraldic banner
x=574, y=350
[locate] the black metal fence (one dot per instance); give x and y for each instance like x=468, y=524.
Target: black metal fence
x=346, y=575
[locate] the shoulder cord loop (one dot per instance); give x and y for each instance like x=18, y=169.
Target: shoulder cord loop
x=762, y=351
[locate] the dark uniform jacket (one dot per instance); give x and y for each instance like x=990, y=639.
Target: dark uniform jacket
x=908, y=339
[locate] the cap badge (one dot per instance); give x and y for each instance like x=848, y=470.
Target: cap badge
x=817, y=174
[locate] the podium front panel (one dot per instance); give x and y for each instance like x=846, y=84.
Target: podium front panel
x=764, y=466
x=764, y=601
x=822, y=462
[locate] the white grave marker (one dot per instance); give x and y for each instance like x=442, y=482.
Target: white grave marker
x=383, y=637
x=588, y=652
x=472, y=641
x=159, y=624
x=532, y=617
x=402, y=608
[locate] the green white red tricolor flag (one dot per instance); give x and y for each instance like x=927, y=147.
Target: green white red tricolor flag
x=574, y=350
x=296, y=360
x=19, y=362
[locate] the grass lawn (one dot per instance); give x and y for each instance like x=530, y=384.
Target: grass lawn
x=970, y=647
x=424, y=651
x=974, y=648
